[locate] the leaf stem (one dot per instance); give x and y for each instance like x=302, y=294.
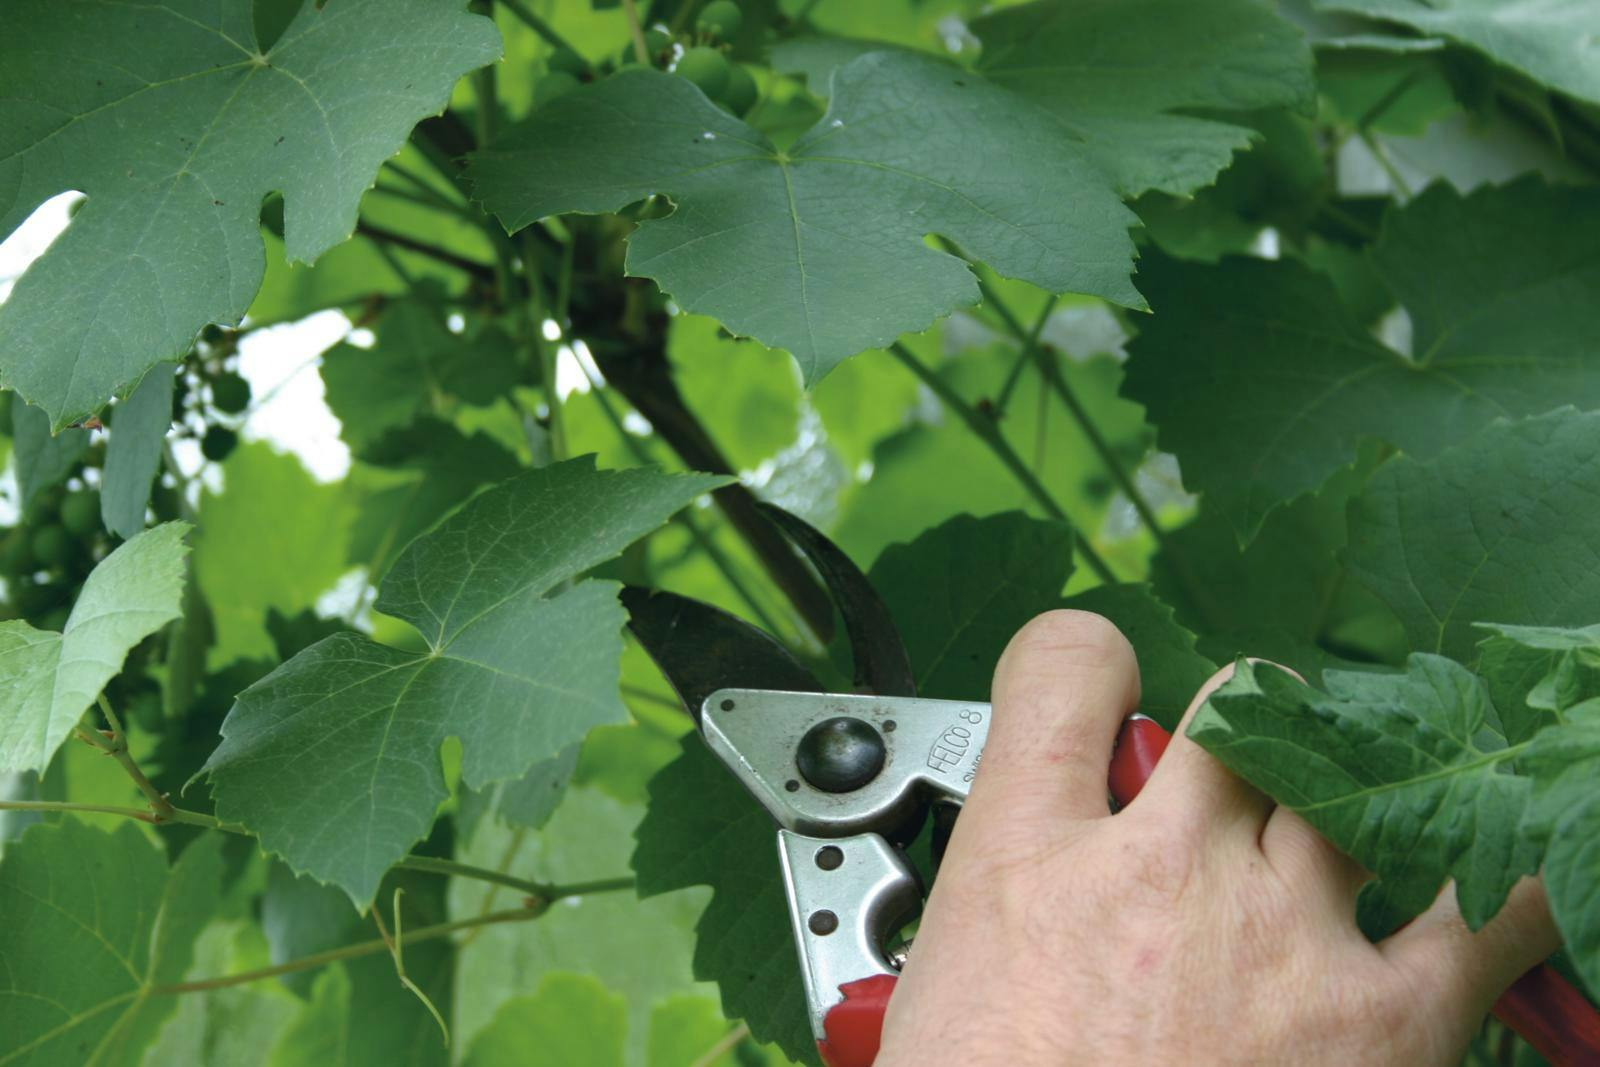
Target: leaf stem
x=116, y=746
x=436, y=865
x=988, y=432
x=68, y=805
x=1024, y=357
x=346, y=952
x=381, y=235
x=537, y=24
x=641, y=51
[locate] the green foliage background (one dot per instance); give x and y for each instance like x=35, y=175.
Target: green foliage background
x=1266, y=329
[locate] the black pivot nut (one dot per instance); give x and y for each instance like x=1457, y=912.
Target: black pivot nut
x=840, y=755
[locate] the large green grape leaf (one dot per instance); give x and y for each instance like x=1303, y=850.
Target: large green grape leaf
x=819, y=248
x=176, y=140
x=333, y=759
x=1400, y=771
x=960, y=591
x=1263, y=383
x=1565, y=816
x=95, y=922
x=1500, y=528
x=1127, y=76
x=1551, y=41
x=48, y=680
x=703, y=828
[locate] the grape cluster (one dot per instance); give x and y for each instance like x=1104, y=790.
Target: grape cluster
x=59, y=536
x=209, y=394
x=700, y=58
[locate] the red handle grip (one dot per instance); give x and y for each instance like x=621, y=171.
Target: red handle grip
x=1542, y=1006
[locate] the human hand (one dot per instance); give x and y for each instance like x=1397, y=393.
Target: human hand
x=1202, y=924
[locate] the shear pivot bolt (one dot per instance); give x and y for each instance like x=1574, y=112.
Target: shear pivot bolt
x=840, y=755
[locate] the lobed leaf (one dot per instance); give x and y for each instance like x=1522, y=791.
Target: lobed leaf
x=818, y=248
x=333, y=759
x=1263, y=384
x=1397, y=770
x=1128, y=76
x=176, y=124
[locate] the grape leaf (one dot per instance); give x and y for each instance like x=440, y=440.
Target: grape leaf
x=571, y=1019
x=333, y=759
x=1502, y=527
x=819, y=248
x=95, y=922
x=1127, y=77
x=42, y=460
x=413, y=365
x=133, y=452
x=1535, y=673
x=50, y=679
x=703, y=828
x=176, y=143
x=961, y=590
x=1268, y=350
x=1565, y=816
x=1391, y=768
x=1552, y=41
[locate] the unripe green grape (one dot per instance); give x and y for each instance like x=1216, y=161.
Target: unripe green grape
x=52, y=545
x=42, y=508
x=656, y=41
x=741, y=91
x=80, y=512
x=230, y=393
x=16, y=555
x=706, y=68
x=567, y=61
x=552, y=86
x=720, y=19
x=218, y=443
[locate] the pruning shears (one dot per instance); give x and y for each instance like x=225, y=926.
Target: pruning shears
x=851, y=779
